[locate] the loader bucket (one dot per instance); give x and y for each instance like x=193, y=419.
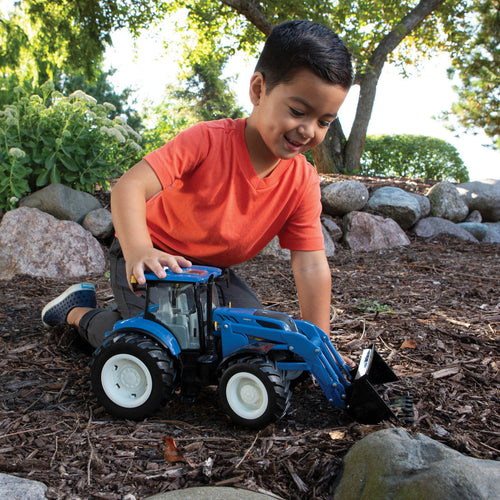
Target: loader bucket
x=363, y=402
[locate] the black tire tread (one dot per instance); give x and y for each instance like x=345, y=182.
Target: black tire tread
x=159, y=356
x=280, y=385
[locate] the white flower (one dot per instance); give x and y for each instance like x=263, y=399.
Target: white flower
x=109, y=106
x=36, y=99
x=17, y=153
x=122, y=130
x=48, y=86
x=135, y=146
x=11, y=112
x=11, y=121
x=82, y=96
x=133, y=133
x=112, y=132
x=13, y=199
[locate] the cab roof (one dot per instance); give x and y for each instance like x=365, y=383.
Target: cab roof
x=193, y=274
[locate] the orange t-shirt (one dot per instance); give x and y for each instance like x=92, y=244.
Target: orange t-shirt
x=214, y=209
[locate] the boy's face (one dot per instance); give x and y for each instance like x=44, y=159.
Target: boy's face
x=293, y=117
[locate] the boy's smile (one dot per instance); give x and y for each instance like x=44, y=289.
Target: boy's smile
x=290, y=119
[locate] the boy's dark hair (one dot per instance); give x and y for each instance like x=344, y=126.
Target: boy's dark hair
x=294, y=45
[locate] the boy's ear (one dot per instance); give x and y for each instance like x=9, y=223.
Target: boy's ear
x=257, y=87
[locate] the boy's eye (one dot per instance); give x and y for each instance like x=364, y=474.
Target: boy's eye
x=296, y=112
x=324, y=123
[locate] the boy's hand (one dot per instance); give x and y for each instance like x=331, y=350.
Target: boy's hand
x=153, y=259
x=348, y=361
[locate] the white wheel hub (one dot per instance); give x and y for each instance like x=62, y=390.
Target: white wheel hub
x=126, y=380
x=247, y=395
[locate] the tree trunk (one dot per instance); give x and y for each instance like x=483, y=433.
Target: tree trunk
x=329, y=155
x=368, y=83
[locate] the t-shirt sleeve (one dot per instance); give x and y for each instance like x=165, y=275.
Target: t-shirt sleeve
x=180, y=155
x=303, y=230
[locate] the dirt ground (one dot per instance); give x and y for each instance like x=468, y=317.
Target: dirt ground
x=431, y=308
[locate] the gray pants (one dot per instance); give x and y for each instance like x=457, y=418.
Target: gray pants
x=94, y=324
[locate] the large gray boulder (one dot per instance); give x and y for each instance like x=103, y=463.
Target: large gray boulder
x=397, y=204
x=62, y=202
x=366, y=232
x=432, y=226
x=392, y=465
x=483, y=196
x=37, y=244
x=447, y=203
x=340, y=198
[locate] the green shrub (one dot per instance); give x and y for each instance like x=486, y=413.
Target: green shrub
x=54, y=138
x=412, y=156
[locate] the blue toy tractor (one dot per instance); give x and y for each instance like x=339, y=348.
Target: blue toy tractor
x=185, y=340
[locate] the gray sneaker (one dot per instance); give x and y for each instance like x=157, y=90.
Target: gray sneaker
x=80, y=295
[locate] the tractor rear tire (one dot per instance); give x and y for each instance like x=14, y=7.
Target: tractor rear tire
x=132, y=375
x=254, y=392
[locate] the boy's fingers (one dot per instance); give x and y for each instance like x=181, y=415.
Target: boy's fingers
x=175, y=263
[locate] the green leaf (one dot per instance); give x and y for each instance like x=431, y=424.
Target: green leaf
x=49, y=162
x=43, y=179
x=69, y=163
x=54, y=176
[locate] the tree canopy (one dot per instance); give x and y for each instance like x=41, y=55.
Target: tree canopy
x=478, y=68
x=70, y=34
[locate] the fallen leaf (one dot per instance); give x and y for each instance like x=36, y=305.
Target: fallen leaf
x=172, y=453
x=408, y=344
x=336, y=435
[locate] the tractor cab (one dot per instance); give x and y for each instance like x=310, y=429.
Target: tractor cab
x=179, y=303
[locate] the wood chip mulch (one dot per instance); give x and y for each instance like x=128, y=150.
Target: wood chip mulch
x=431, y=308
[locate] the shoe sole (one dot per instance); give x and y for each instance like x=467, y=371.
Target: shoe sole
x=72, y=289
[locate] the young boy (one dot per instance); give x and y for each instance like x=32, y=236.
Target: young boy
x=220, y=191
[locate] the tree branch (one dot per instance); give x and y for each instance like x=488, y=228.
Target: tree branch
x=402, y=29
x=369, y=80
x=251, y=11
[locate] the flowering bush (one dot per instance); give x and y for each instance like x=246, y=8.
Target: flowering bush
x=54, y=138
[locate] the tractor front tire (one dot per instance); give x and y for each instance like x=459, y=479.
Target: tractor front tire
x=132, y=376
x=254, y=392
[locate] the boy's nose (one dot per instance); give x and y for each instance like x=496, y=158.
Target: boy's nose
x=306, y=130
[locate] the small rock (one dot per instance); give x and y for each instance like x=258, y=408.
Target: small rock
x=62, y=202
x=340, y=198
x=478, y=230
x=447, y=203
x=99, y=222
x=397, y=204
x=17, y=488
x=331, y=226
x=483, y=196
x=432, y=226
x=367, y=232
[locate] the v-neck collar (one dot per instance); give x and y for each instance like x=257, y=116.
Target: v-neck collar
x=249, y=170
